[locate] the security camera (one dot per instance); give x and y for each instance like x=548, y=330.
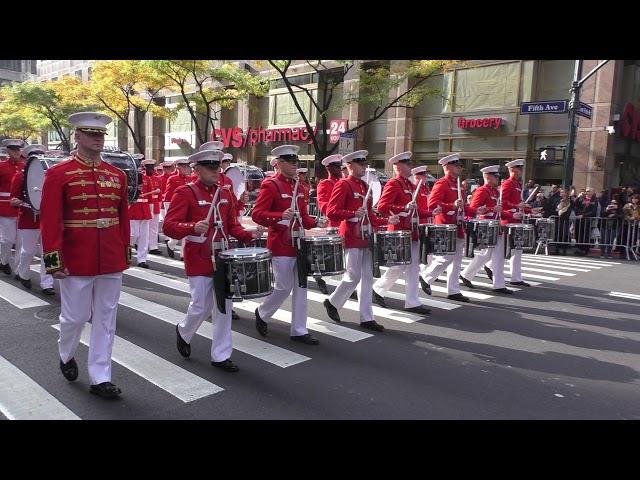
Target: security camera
x=611, y=129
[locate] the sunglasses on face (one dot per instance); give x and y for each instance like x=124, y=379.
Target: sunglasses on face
x=289, y=158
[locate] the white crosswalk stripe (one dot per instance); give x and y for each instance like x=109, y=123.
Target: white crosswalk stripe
x=630, y=296
x=19, y=297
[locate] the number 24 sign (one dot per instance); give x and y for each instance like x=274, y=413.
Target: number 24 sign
x=336, y=127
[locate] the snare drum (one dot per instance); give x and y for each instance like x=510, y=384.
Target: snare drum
x=545, y=229
x=34, y=172
x=129, y=166
x=324, y=255
x=442, y=238
x=248, y=271
x=521, y=236
x=486, y=233
x=393, y=248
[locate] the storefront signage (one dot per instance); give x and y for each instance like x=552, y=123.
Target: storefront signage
x=239, y=138
x=490, y=122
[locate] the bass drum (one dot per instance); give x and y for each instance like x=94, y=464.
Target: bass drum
x=34, y=172
x=130, y=167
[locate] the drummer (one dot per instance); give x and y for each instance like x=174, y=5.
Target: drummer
x=28, y=230
x=181, y=178
x=488, y=195
x=397, y=198
x=187, y=218
x=8, y=214
x=357, y=224
x=445, y=195
x=276, y=209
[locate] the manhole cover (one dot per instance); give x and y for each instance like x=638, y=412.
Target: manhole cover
x=48, y=313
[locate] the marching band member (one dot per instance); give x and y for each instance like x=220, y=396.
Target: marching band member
x=187, y=218
x=345, y=171
x=445, y=195
x=287, y=218
x=140, y=219
x=163, y=175
x=155, y=200
x=397, y=199
x=488, y=195
x=8, y=214
x=357, y=224
x=182, y=177
x=85, y=238
x=28, y=230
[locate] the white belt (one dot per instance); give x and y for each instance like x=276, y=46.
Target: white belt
x=283, y=222
x=354, y=219
x=142, y=200
x=5, y=194
x=196, y=238
x=403, y=214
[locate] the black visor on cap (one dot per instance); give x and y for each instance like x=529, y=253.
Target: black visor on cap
x=455, y=162
x=359, y=160
x=289, y=157
x=214, y=163
x=13, y=146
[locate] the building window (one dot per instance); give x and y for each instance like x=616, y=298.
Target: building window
x=79, y=74
x=13, y=65
x=181, y=123
x=491, y=86
x=89, y=73
x=285, y=111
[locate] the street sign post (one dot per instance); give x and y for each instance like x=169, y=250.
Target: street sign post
x=547, y=106
x=584, y=110
x=347, y=143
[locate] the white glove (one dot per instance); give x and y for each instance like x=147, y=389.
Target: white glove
x=394, y=219
x=411, y=206
x=360, y=212
x=517, y=215
x=322, y=222
x=288, y=214
x=437, y=210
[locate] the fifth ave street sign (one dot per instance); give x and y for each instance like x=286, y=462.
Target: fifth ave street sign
x=551, y=106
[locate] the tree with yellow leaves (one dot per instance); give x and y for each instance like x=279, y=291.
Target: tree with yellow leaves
x=121, y=87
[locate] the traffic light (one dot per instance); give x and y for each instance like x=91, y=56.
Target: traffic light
x=547, y=155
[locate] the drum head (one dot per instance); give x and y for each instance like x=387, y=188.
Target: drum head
x=129, y=166
x=34, y=173
x=237, y=178
x=250, y=252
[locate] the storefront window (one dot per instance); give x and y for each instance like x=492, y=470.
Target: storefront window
x=181, y=123
x=285, y=111
x=491, y=86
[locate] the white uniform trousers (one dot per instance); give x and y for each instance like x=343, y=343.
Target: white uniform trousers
x=453, y=265
x=153, y=229
x=515, y=265
x=29, y=238
x=410, y=274
x=203, y=304
x=140, y=236
x=96, y=299
x=424, y=266
x=286, y=279
x=496, y=256
x=358, y=274
x=8, y=229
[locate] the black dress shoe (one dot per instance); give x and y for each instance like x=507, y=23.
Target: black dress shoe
x=426, y=288
x=503, y=290
x=6, y=268
x=521, y=284
x=307, y=339
x=440, y=280
x=26, y=283
x=105, y=390
x=155, y=251
x=322, y=285
x=234, y=315
x=48, y=291
x=170, y=252
x=143, y=265
x=377, y=299
x=459, y=297
x=17, y=277
x=467, y=283
x=489, y=272
x=331, y=311
x=226, y=365
x=354, y=295
x=69, y=369
x=183, y=347
x=261, y=325
x=419, y=309
x=372, y=325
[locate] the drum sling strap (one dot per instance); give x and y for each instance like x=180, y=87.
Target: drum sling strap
x=373, y=244
x=220, y=284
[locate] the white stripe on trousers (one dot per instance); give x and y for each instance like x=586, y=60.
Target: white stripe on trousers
x=203, y=304
x=152, y=244
x=496, y=255
x=96, y=299
x=452, y=263
x=359, y=273
x=8, y=228
x=409, y=272
x=29, y=238
x=140, y=237
x=285, y=275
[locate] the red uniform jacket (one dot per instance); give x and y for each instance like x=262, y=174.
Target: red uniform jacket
x=347, y=196
x=511, y=197
x=173, y=183
x=156, y=198
x=27, y=217
x=8, y=169
x=163, y=184
x=227, y=181
x=274, y=198
x=444, y=194
x=140, y=209
x=488, y=196
x=423, y=204
x=395, y=195
x=325, y=187
x=186, y=210
x=84, y=218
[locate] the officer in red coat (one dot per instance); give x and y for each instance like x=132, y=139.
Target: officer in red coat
x=28, y=230
x=155, y=200
x=357, y=223
x=488, y=195
x=85, y=238
x=187, y=218
x=287, y=218
x=8, y=214
x=445, y=195
x=140, y=218
x=397, y=198
x=181, y=178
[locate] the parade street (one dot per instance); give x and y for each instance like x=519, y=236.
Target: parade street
x=568, y=347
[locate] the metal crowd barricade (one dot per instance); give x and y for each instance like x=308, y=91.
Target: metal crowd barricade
x=596, y=232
